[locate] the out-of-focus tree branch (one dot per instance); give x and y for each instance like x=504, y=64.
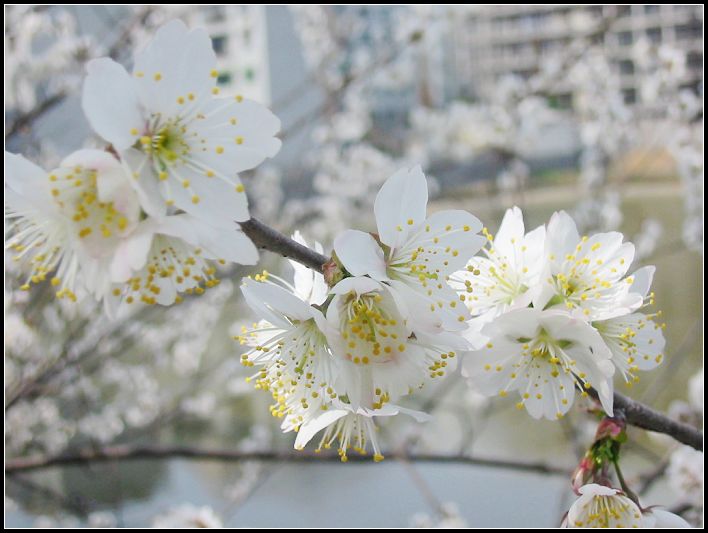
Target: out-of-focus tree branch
x=25, y=120
x=127, y=452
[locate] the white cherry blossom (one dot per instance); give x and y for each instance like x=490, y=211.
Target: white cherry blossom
x=492, y=285
x=603, y=507
x=544, y=356
x=183, y=143
x=350, y=427
x=68, y=222
x=166, y=257
x=600, y=506
x=586, y=275
x=414, y=254
x=636, y=340
x=382, y=359
x=291, y=349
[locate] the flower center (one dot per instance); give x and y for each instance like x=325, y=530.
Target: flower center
x=609, y=511
x=75, y=192
x=167, y=144
x=174, y=267
x=371, y=331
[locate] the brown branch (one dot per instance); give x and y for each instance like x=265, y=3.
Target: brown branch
x=272, y=240
x=643, y=416
x=129, y=453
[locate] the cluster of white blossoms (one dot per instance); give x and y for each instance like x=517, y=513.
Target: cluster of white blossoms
x=336, y=356
x=555, y=312
x=152, y=216
x=604, y=507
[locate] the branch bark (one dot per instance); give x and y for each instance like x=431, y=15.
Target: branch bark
x=129, y=453
x=272, y=240
x=643, y=416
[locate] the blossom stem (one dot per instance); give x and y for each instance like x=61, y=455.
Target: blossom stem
x=629, y=492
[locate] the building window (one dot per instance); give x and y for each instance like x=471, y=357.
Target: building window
x=629, y=95
x=692, y=30
x=626, y=67
x=249, y=74
x=220, y=43
x=215, y=13
x=625, y=38
x=224, y=78
x=624, y=11
x=651, y=9
x=654, y=35
x=695, y=61
x=560, y=101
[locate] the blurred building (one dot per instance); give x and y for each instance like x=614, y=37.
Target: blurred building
x=239, y=34
x=495, y=41
x=259, y=56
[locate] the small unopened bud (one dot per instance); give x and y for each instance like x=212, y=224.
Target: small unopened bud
x=333, y=272
x=612, y=428
x=583, y=473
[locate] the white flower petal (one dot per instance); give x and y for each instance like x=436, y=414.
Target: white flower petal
x=309, y=285
x=317, y=424
x=26, y=179
x=131, y=254
x=211, y=199
x=110, y=102
x=229, y=244
x=664, y=519
x=360, y=254
x=141, y=177
x=642, y=279
x=359, y=285
x=239, y=134
x=400, y=206
x=275, y=298
x=511, y=232
x=562, y=234
x=175, y=63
